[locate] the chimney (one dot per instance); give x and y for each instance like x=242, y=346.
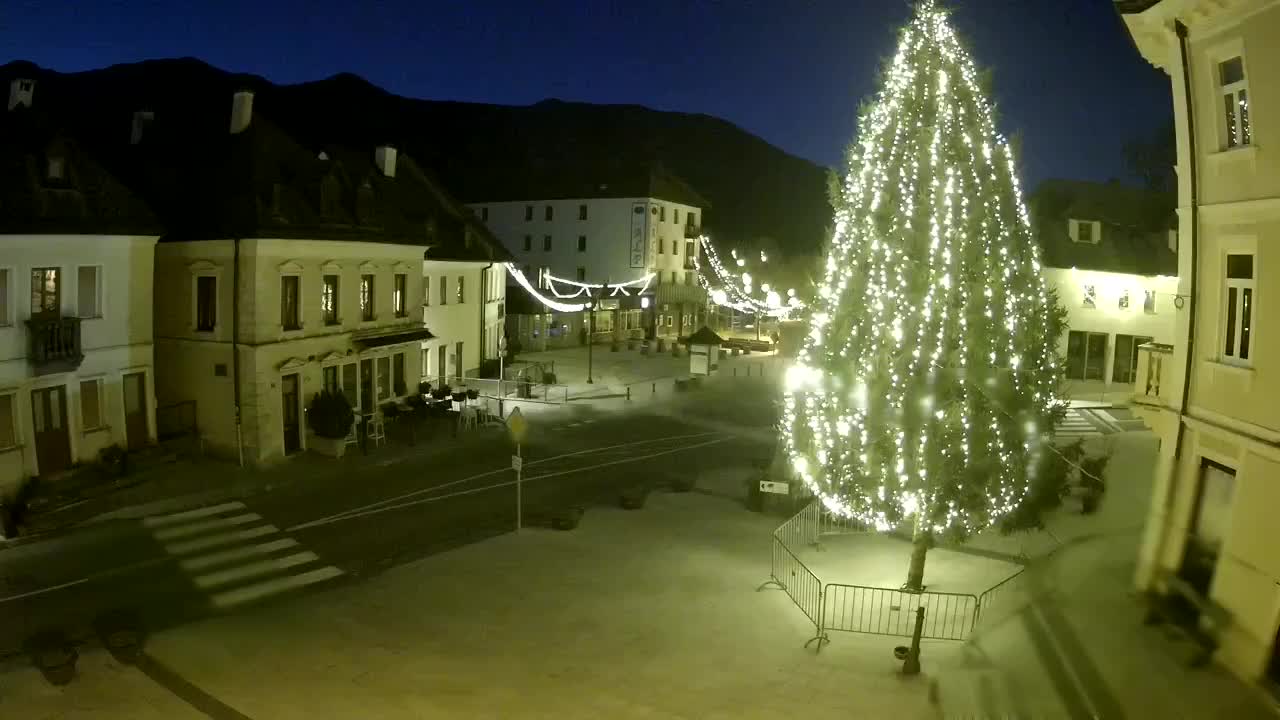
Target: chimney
x=385, y=156
x=20, y=90
x=241, y=111
x=141, y=119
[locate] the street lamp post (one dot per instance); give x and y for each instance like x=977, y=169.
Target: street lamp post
x=594, y=294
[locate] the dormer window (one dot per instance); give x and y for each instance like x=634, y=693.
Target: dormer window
x=55, y=170
x=1085, y=231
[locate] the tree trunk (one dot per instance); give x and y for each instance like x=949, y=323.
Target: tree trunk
x=919, y=546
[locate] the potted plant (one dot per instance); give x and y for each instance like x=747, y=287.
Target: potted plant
x=424, y=388
x=662, y=345
x=113, y=461
x=473, y=394
x=330, y=418
x=548, y=378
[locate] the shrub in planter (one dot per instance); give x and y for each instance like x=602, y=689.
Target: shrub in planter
x=458, y=395
x=675, y=349
x=549, y=378
x=631, y=343
x=613, y=346
x=390, y=410
x=330, y=417
x=113, y=461
x=442, y=392
x=424, y=388
x=633, y=498
x=1091, y=481
x=662, y=345
x=121, y=634
x=473, y=394
x=53, y=656
x=684, y=483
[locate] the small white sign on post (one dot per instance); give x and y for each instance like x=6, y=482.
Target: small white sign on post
x=777, y=488
x=517, y=463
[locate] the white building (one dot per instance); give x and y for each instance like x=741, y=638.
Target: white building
x=285, y=270
x=76, y=253
x=1211, y=397
x=1110, y=253
x=614, y=227
x=464, y=308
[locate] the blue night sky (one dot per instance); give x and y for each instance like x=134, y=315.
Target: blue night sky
x=790, y=71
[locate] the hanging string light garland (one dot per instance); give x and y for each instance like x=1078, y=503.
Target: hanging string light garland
x=623, y=289
x=734, y=289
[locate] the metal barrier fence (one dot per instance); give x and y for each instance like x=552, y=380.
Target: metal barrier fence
x=515, y=389
x=872, y=610
x=880, y=611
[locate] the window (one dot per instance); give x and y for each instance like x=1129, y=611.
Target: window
x=528, y=213
x=206, y=303
x=329, y=299
x=484, y=214
x=582, y=212
x=548, y=213
x=398, y=295
x=582, y=243
x=1149, y=302
x=4, y=298
x=662, y=213
x=444, y=289
x=1086, y=355
x=289, y=319
x=426, y=291
x=528, y=243
x=1125, y=367
x=546, y=243
x=688, y=252
x=329, y=378
x=675, y=216
x=675, y=248
x=366, y=298
x=1238, y=307
x=674, y=277
x=1090, y=296
x=426, y=362
x=662, y=244
x=89, y=291
x=55, y=168
x=1123, y=303
x=46, y=290
x=582, y=274
x=692, y=219
x=1235, y=102
x=397, y=374
x=8, y=428
x=462, y=296
x=91, y=404
x=384, y=377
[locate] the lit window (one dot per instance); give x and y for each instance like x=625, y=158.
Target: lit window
x=1085, y=231
x=1235, y=102
x=1090, y=296
x=1237, y=322
x=366, y=298
x=398, y=295
x=329, y=300
x=462, y=296
x=582, y=212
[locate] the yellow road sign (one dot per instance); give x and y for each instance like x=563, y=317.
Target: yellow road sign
x=517, y=425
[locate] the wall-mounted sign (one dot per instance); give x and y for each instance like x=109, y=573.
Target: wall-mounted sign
x=638, y=240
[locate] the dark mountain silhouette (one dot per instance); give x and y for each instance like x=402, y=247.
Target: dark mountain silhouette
x=755, y=189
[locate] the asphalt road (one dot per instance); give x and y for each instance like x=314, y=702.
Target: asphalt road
x=307, y=535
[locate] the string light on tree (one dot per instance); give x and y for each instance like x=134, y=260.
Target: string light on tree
x=927, y=382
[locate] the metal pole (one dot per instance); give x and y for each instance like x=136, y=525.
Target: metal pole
x=519, y=489
x=502, y=353
x=591, y=326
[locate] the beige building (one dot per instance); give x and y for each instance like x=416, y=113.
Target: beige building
x=286, y=269
x=1212, y=396
x=76, y=249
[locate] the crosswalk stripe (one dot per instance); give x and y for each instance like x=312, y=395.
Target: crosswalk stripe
x=195, y=528
x=213, y=541
x=223, y=557
x=162, y=520
x=264, y=567
x=258, y=591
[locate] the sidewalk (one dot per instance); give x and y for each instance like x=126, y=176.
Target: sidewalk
x=201, y=481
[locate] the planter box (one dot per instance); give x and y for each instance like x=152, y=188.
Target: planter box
x=633, y=498
x=328, y=447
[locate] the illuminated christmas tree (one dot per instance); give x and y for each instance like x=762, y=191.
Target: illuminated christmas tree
x=927, y=389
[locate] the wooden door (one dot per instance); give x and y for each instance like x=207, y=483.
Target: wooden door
x=136, y=428
x=289, y=414
x=49, y=421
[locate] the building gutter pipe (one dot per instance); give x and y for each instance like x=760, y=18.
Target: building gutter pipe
x=1193, y=237
x=235, y=346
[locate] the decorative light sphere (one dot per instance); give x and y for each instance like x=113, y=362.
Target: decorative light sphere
x=791, y=292
x=719, y=296
x=773, y=300
x=644, y=303
x=741, y=262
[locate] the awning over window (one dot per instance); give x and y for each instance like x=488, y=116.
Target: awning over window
x=392, y=338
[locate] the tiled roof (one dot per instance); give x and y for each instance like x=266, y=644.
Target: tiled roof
x=1135, y=227
x=85, y=199
x=556, y=181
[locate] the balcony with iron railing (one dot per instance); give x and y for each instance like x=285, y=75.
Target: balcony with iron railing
x=692, y=232
x=54, y=344
x=1154, y=382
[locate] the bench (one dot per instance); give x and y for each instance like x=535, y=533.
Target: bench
x=1187, y=613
